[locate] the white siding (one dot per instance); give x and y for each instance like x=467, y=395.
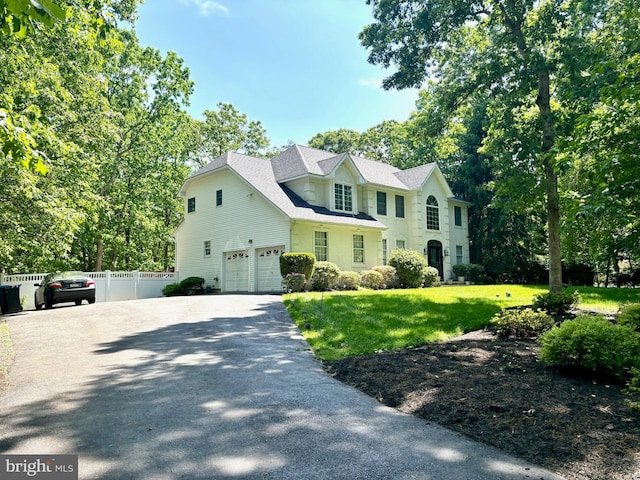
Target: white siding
x=245, y=221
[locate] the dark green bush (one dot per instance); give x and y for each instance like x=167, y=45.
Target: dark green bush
x=633, y=390
x=525, y=323
x=630, y=316
x=348, y=281
x=294, y=282
x=172, y=290
x=192, y=282
x=188, y=286
x=297, y=262
x=372, y=279
x=388, y=275
x=461, y=270
x=592, y=343
x=324, y=276
x=410, y=267
x=556, y=303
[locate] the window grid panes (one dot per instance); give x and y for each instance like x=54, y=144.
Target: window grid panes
x=400, y=244
x=218, y=198
x=321, y=246
x=358, y=249
x=207, y=248
x=399, y=206
x=459, y=254
x=381, y=200
x=191, y=205
x=343, y=197
x=433, y=216
x=385, y=255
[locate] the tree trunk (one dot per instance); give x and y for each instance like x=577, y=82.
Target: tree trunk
x=99, y=255
x=553, y=199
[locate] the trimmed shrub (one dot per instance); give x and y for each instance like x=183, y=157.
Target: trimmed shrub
x=430, y=276
x=556, y=303
x=460, y=269
x=324, y=276
x=188, y=286
x=372, y=279
x=348, y=281
x=294, y=282
x=388, y=275
x=592, y=343
x=521, y=323
x=192, y=282
x=297, y=262
x=410, y=266
x=630, y=316
x=172, y=290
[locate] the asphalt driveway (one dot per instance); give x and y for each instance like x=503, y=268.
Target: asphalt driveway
x=211, y=387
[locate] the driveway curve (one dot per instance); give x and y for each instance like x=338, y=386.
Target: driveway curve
x=211, y=387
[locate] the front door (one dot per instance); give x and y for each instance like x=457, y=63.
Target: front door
x=434, y=256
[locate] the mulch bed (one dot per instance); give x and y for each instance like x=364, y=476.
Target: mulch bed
x=496, y=391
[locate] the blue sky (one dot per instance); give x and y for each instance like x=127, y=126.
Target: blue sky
x=297, y=66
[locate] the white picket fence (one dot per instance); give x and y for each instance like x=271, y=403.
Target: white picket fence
x=110, y=286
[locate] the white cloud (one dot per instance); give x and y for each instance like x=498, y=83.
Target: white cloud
x=208, y=7
x=370, y=82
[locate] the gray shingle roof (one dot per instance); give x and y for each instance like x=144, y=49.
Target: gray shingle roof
x=268, y=177
x=259, y=173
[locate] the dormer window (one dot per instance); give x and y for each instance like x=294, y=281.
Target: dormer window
x=343, y=197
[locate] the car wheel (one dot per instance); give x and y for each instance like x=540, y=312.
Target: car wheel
x=78, y=302
x=92, y=300
x=35, y=302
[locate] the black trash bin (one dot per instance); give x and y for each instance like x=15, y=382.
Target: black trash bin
x=10, y=299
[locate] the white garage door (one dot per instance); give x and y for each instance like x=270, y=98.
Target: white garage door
x=268, y=266
x=236, y=271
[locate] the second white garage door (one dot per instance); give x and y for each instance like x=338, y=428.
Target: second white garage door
x=268, y=269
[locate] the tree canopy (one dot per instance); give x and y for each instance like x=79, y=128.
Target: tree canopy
x=523, y=56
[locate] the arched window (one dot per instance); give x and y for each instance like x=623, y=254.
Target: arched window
x=433, y=214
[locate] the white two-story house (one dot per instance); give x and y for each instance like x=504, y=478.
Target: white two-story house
x=242, y=212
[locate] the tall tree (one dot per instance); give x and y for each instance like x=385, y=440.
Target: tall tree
x=502, y=48
x=343, y=140
x=227, y=129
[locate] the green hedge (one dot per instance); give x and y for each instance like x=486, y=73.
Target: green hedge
x=410, y=267
x=297, y=262
x=592, y=343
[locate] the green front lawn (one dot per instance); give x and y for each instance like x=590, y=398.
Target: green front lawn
x=356, y=323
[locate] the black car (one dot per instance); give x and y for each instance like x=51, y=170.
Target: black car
x=61, y=287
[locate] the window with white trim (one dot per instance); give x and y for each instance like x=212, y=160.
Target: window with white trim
x=459, y=254
x=358, y=249
x=321, y=246
x=457, y=215
x=218, y=198
x=400, y=244
x=343, y=197
x=207, y=248
x=399, y=206
x=433, y=213
x=381, y=203
x=191, y=205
